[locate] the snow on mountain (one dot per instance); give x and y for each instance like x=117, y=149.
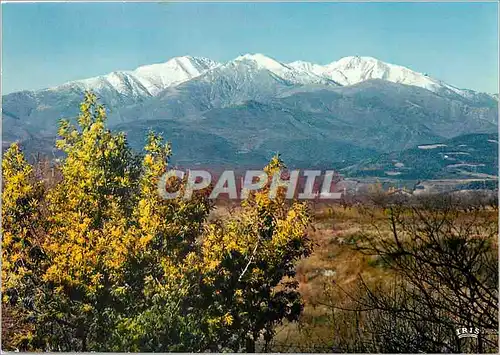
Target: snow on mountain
x=150, y=80
x=119, y=82
x=157, y=77
x=284, y=71
x=347, y=110
x=194, y=84
x=147, y=80
x=354, y=69
x=302, y=66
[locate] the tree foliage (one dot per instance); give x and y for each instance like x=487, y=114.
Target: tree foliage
x=100, y=262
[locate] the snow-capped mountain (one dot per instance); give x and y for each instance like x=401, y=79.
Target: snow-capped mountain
x=284, y=71
x=119, y=82
x=244, y=109
x=147, y=80
x=151, y=80
x=247, y=77
x=157, y=77
x=41, y=109
x=354, y=69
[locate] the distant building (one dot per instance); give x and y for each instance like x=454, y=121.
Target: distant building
x=399, y=192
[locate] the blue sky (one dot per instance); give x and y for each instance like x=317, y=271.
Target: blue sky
x=48, y=44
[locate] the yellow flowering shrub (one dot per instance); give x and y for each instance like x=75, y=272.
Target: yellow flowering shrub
x=99, y=261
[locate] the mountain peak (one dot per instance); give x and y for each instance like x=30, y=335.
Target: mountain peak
x=354, y=69
x=157, y=77
x=289, y=73
x=261, y=60
x=186, y=63
x=357, y=59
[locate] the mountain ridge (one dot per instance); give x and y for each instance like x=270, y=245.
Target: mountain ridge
x=242, y=110
x=359, y=68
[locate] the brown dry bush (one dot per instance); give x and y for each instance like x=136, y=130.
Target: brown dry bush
x=444, y=275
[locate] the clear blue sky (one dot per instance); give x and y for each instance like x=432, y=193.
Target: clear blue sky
x=48, y=44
